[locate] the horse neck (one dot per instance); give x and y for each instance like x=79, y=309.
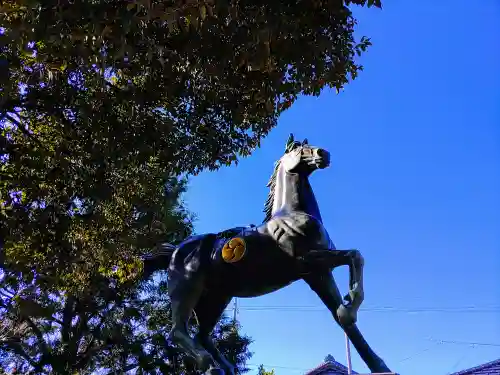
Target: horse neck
x=293, y=192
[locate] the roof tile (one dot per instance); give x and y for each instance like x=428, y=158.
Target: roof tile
x=490, y=368
x=329, y=368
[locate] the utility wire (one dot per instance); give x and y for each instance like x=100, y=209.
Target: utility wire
x=470, y=343
x=413, y=356
x=420, y=352
x=462, y=357
x=469, y=309
x=391, y=309
x=267, y=366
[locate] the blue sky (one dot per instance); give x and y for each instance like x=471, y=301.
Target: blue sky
x=414, y=184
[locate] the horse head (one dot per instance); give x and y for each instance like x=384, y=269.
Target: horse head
x=302, y=158
x=289, y=185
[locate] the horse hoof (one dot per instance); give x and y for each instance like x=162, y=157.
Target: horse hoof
x=346, y=316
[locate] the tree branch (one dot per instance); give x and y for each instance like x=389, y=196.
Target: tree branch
x=79, y=330
x=39, y=335
x=5, y=294
x=15, y=347
x=9, y=105
x=123, y=370
x=67, y=318
x=21, y=127
x=89, y=350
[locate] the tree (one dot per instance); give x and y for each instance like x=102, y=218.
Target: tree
x=232, y=344
x=262, y=371
x=108, y=325
x=221, y=69
x=103, y=102
x=110, y=330
x=51, y=325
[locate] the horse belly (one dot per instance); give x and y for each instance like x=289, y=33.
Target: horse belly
x=263, y=276
x=260, y=290
x=264, y=267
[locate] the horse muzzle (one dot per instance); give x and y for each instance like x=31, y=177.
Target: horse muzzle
x=321, y=158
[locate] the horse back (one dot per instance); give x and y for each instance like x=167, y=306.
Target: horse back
x=196, y=252
x=242, y=261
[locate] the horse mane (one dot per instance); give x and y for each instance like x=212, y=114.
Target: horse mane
x=268, y=207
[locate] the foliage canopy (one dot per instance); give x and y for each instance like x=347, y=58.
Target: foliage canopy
x=108, y=330
x=262, y=371
x=102, y=102
x=220, y=71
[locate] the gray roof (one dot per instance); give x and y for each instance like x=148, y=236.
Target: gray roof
x=490, y=368
x=329, y=368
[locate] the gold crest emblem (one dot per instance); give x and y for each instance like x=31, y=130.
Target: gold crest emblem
x=234, y=250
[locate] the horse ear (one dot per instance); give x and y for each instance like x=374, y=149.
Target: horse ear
x=305, y=142
x=289, y=142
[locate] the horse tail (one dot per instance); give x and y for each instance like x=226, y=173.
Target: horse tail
x=158, y=259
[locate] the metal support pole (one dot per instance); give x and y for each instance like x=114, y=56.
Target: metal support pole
x=348, y=353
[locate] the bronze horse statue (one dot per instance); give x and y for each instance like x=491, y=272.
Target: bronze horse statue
x=206, y=271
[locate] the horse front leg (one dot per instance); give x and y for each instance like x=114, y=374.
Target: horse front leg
x=356, y=294
x=330, y=259
x=323, y=284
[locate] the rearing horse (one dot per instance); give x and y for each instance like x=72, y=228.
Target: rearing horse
x=206, y=271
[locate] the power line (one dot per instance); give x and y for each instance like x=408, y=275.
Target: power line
x=413, y=356
x=470, y=343
x=389, y=309
x=464, y=354
x=420, y=352
x=469, y=309
x=277, y=367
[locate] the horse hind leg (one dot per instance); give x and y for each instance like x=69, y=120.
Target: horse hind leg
x=183, y=298
x=208, y=311
x=186, y=281
x=323, y=284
